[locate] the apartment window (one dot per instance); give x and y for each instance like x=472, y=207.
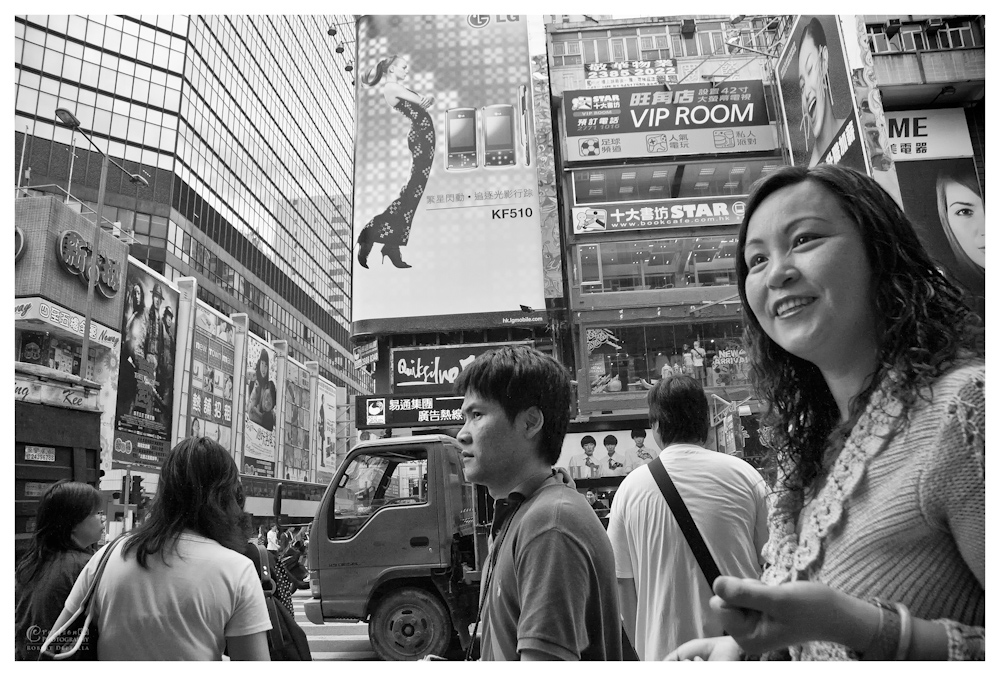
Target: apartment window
x=710, y=42
x=913, y=40
x=654, y=47
x=567, y=53
x=955, y=36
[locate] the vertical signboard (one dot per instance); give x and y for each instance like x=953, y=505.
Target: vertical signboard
x=259, y=419
x=446, y=175
x=143, y=414
x=326, y=431
x=941, y=192
x=298, y=404
x=213, y=377
x=817, y=96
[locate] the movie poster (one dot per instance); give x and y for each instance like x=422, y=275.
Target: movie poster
x=298, y=405
x=446, y=175
x=817, y=96
x=259, y=434
x=326, y=436
x=144, y=410
x=213, y=372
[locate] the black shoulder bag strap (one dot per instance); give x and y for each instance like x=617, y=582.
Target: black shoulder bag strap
x=684, y=520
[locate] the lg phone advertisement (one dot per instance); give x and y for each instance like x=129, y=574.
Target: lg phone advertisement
x=447, y=205
x=144, y=409
x=326, y=431
x=259, y=433
x=298, y=404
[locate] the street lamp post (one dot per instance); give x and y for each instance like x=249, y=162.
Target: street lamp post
x=70, y=120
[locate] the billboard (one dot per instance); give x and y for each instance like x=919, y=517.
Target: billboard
x=259, y=434
x=144, y=411
x=659, y=214
x=213, y=377
x=916, y=135
x=686, y=119
x=325, y=438
x=389, y=410
x=630, y=73
x=626, y=453
x=446, y=175
x=298, y=407
x=817, y=95
x=432, y=369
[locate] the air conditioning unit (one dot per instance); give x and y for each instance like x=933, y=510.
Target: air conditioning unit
x=687, y=28
x=932, y=26
x=892, y=27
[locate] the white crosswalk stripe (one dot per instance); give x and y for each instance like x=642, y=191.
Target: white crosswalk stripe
x=333, y=641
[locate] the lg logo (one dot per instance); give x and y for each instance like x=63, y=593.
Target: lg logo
x=479, y=20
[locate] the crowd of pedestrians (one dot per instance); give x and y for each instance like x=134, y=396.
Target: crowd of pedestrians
x=869, y=543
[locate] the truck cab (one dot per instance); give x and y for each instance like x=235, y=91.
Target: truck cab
x=398, y=541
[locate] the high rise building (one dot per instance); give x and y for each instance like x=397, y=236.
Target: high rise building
x=243, y=127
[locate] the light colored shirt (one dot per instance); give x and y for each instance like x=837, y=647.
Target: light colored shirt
x=727, y=500
x=181, y=611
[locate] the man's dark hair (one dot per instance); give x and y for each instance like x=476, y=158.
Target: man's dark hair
x=588, y=440
x=679, y=405
x=638, y=433
x=518, y=377
x=611, y=439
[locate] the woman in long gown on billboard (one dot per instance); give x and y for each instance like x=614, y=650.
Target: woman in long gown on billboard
x=391, y=228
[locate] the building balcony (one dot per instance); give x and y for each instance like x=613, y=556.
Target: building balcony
x=919, y=78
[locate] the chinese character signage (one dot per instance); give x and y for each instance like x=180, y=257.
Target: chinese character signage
x=298, y=405
x=325, y=437
x=687, y=119
x=630, y=73
x=259, y=435
x=144, y=411
x=402, y=411
x=817, y=95
x=916, y=135
x=213, y=372
x=662, y=214
x=432, y=369
x=446, y=174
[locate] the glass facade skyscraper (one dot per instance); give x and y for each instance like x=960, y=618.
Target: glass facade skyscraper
x=243, y=127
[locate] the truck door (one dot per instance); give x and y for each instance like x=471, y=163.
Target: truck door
x=384, y=522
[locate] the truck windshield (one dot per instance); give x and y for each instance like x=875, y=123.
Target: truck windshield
x=373, y=481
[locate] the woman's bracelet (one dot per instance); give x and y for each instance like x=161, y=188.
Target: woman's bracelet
x=894, y=634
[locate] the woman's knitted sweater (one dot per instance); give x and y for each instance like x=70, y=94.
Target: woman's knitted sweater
x=900, y=518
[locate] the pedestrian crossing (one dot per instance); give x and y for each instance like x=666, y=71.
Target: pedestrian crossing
x=333, y=641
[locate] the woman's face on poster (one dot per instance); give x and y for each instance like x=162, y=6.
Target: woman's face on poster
x=262, y=368
x=812, y=76
x=967, y=220
x=401, y=69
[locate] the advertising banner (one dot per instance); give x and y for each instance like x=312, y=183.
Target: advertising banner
x=432, y=369
x=213, y=374
x=259, y=435
x=144, y=410
x=660, y=214
x=628, y=452
x=687, y=119
x=446, y=174
x=916, y=135
x=945, y=202
x=630, y=73
x=326, y=431
x=386, y=410
x=817, y=96
x=298, y=405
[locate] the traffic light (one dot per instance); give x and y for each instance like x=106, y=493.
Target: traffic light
x=135, y=491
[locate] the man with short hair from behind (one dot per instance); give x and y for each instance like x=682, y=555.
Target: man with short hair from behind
x=663, y=594
x=548, y=588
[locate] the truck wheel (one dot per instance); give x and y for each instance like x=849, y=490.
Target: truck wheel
x=409, y=624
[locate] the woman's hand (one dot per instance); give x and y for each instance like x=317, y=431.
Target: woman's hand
x=720, y=648
x=427, y=101
x=765, y=617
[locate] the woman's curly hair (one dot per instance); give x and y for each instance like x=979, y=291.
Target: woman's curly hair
x=923, y=325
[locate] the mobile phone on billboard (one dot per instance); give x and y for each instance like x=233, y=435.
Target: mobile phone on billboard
x=499, y=136
x=522, y=96
x=461, y=131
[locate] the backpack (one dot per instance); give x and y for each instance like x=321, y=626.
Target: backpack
x=286, y=640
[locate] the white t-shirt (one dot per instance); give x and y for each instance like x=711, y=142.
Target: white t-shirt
x=272, y=540
x=727, y=499
x=698, y=355
x=183, y=611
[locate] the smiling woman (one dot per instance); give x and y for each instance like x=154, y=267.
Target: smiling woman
x=871, y=368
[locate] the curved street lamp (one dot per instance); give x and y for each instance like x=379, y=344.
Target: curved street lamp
x=68, y=119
